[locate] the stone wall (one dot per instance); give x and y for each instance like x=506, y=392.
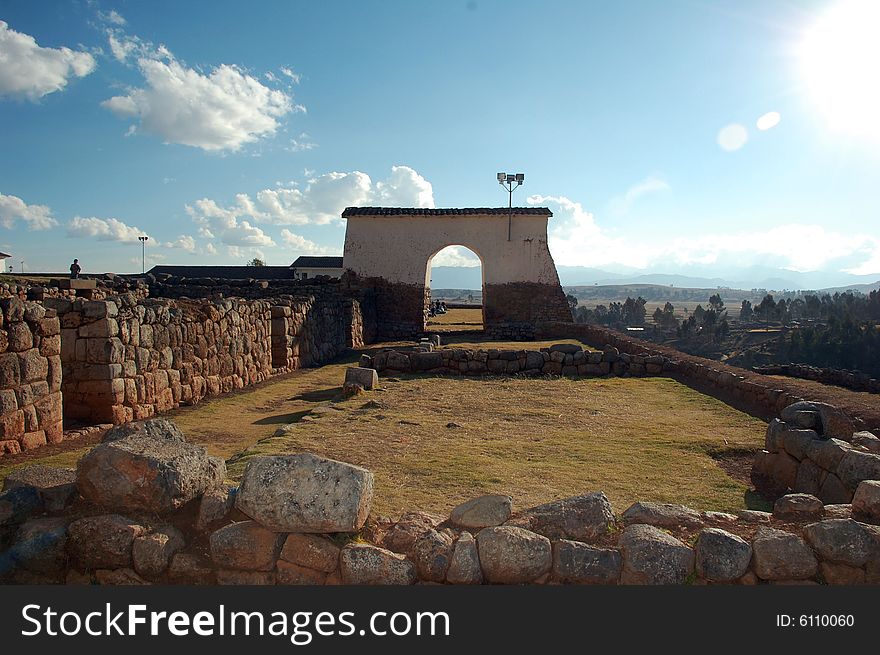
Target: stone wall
x=513, y=310
x=180, y=525
x=839, y=377
x=30, y=376
x=560, y=359
x=800, y=455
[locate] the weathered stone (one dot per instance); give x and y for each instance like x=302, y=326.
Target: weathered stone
x=215, y=506
x=857, y=466
x=482, y=512
x=17, y=504
x=785, y=468
x=512, y=555
x=651, y=556
x=103, y=542
x=575, y=562
x=798, y=442
x=140, y=472
x=662, y=515
x=152, y=553
x=403, y=534
x=835, y=423
x=579, y=518
x=432, y=554
x=368, y=378
x=246, y=545
x=363, y=564
x=464, y=568
x=56, y=486
x=798, y=507
x=40, y=546
x=866, y=501
x=721, y=556
x=311, y=551
x=773, y=436
x=808, y=420
x=250, y=578
x=305, y=493
x=839, y=511
x=867, y=441
x=841, y=574
x=155, y=428
x=808, y=480
x=123, y=577
x=833, y=492
x=779, y=555
x=190, y=569
x=841, y=540
x=827, y=453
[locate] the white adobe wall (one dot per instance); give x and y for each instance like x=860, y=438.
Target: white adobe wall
x=398, y=248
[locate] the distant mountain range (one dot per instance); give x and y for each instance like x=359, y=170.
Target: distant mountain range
x=771, y=279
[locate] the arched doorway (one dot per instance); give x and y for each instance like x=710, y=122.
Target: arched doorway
x=455, y=280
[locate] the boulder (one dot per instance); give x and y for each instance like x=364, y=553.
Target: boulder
x=305, y=493
x=579, y=518
x=289, y=573
x=779, y=555
x=151, y=553
x=797, y=443
x=432, y=555
x=40, y=545
x=145, y=472
x=215, y=506
x=155, y=428
x=103, y=542
x=662, y=515
x=368, y=378
x=363, y=564
x=482, y=512
x=403, y=534
x=832, y=491
x=857, y=466
x=653, y=557
x=841, y=574
x=464, y=568
x=17, y=503
x=867, y=441
x=827, y=453
x=311, y=551
x=835, y=423
x=55, y=486
x=575, y=562
x=843, y=541
x=512, y=555
x=246, y=545
x=798, y=507
x=866, y=501
x=721, y=556
x=840, y=511
x=190, y=569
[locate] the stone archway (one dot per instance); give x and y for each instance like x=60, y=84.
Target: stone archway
x=387, y=249
x=482, y=267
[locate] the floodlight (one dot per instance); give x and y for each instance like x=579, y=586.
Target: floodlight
x=511, y=177
x=520, y=177
x=501, y=177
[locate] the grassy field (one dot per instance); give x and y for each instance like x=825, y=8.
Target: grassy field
x=457, y=319
x=435, y=442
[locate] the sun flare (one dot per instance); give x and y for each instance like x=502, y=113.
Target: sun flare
x=840, y=61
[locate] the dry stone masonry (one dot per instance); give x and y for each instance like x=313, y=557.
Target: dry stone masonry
x=301, y=519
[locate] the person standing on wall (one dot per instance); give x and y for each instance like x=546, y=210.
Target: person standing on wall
x=75, y=269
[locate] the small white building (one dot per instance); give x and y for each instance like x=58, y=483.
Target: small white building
x=305, y=268
x=3, y=258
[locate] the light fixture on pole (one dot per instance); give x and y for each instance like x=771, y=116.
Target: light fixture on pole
x=143, y=241
x=507, y=181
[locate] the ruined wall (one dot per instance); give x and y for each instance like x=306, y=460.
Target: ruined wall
x=30, y=376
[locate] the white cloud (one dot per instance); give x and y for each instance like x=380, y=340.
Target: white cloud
x=651, y=184
x=303, y=245
x=732, y=137
x=455, y=256
x=36, y=217
x=210, y=249
x=302, y=143
x=105, y=229
x=245, y=234
x=30, y=71
x=238, y=252
x=222, y=110
x=183, y=242
x=294, y=77
x=319, y=202
x=112, y=16
x=123, y=46
x=575, y=239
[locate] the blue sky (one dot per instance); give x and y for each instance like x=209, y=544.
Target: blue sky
x=228, y=130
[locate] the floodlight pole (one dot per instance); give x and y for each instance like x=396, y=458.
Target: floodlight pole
x=143, y=241
x=506, y=180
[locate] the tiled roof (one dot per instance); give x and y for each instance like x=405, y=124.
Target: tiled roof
x=452, y=211
x=3, y=255
x=317, y=262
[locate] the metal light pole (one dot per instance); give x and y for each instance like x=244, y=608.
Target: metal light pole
x=506, y=180
x=143, y=241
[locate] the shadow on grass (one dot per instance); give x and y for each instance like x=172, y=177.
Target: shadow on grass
x=756, y=501
x=293, y=417
x=319, y=396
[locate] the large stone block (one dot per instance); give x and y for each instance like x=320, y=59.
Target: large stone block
x=305, y=493
x=779, y=555
x=55, y=486
x=363, y=564
x=857, y=466
x=578, y=563
x=366, y=377
x=580, y=518
x=103, y=542
x=246, y=545
x=721, y=556
x=651, y=556
x=512, y=555
x=152, y=553
x=866, y=501
x=482, y=512
x=311, y=551
x=465, y=565
x=842, y=541
x=662, y=515
x=142, y=472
